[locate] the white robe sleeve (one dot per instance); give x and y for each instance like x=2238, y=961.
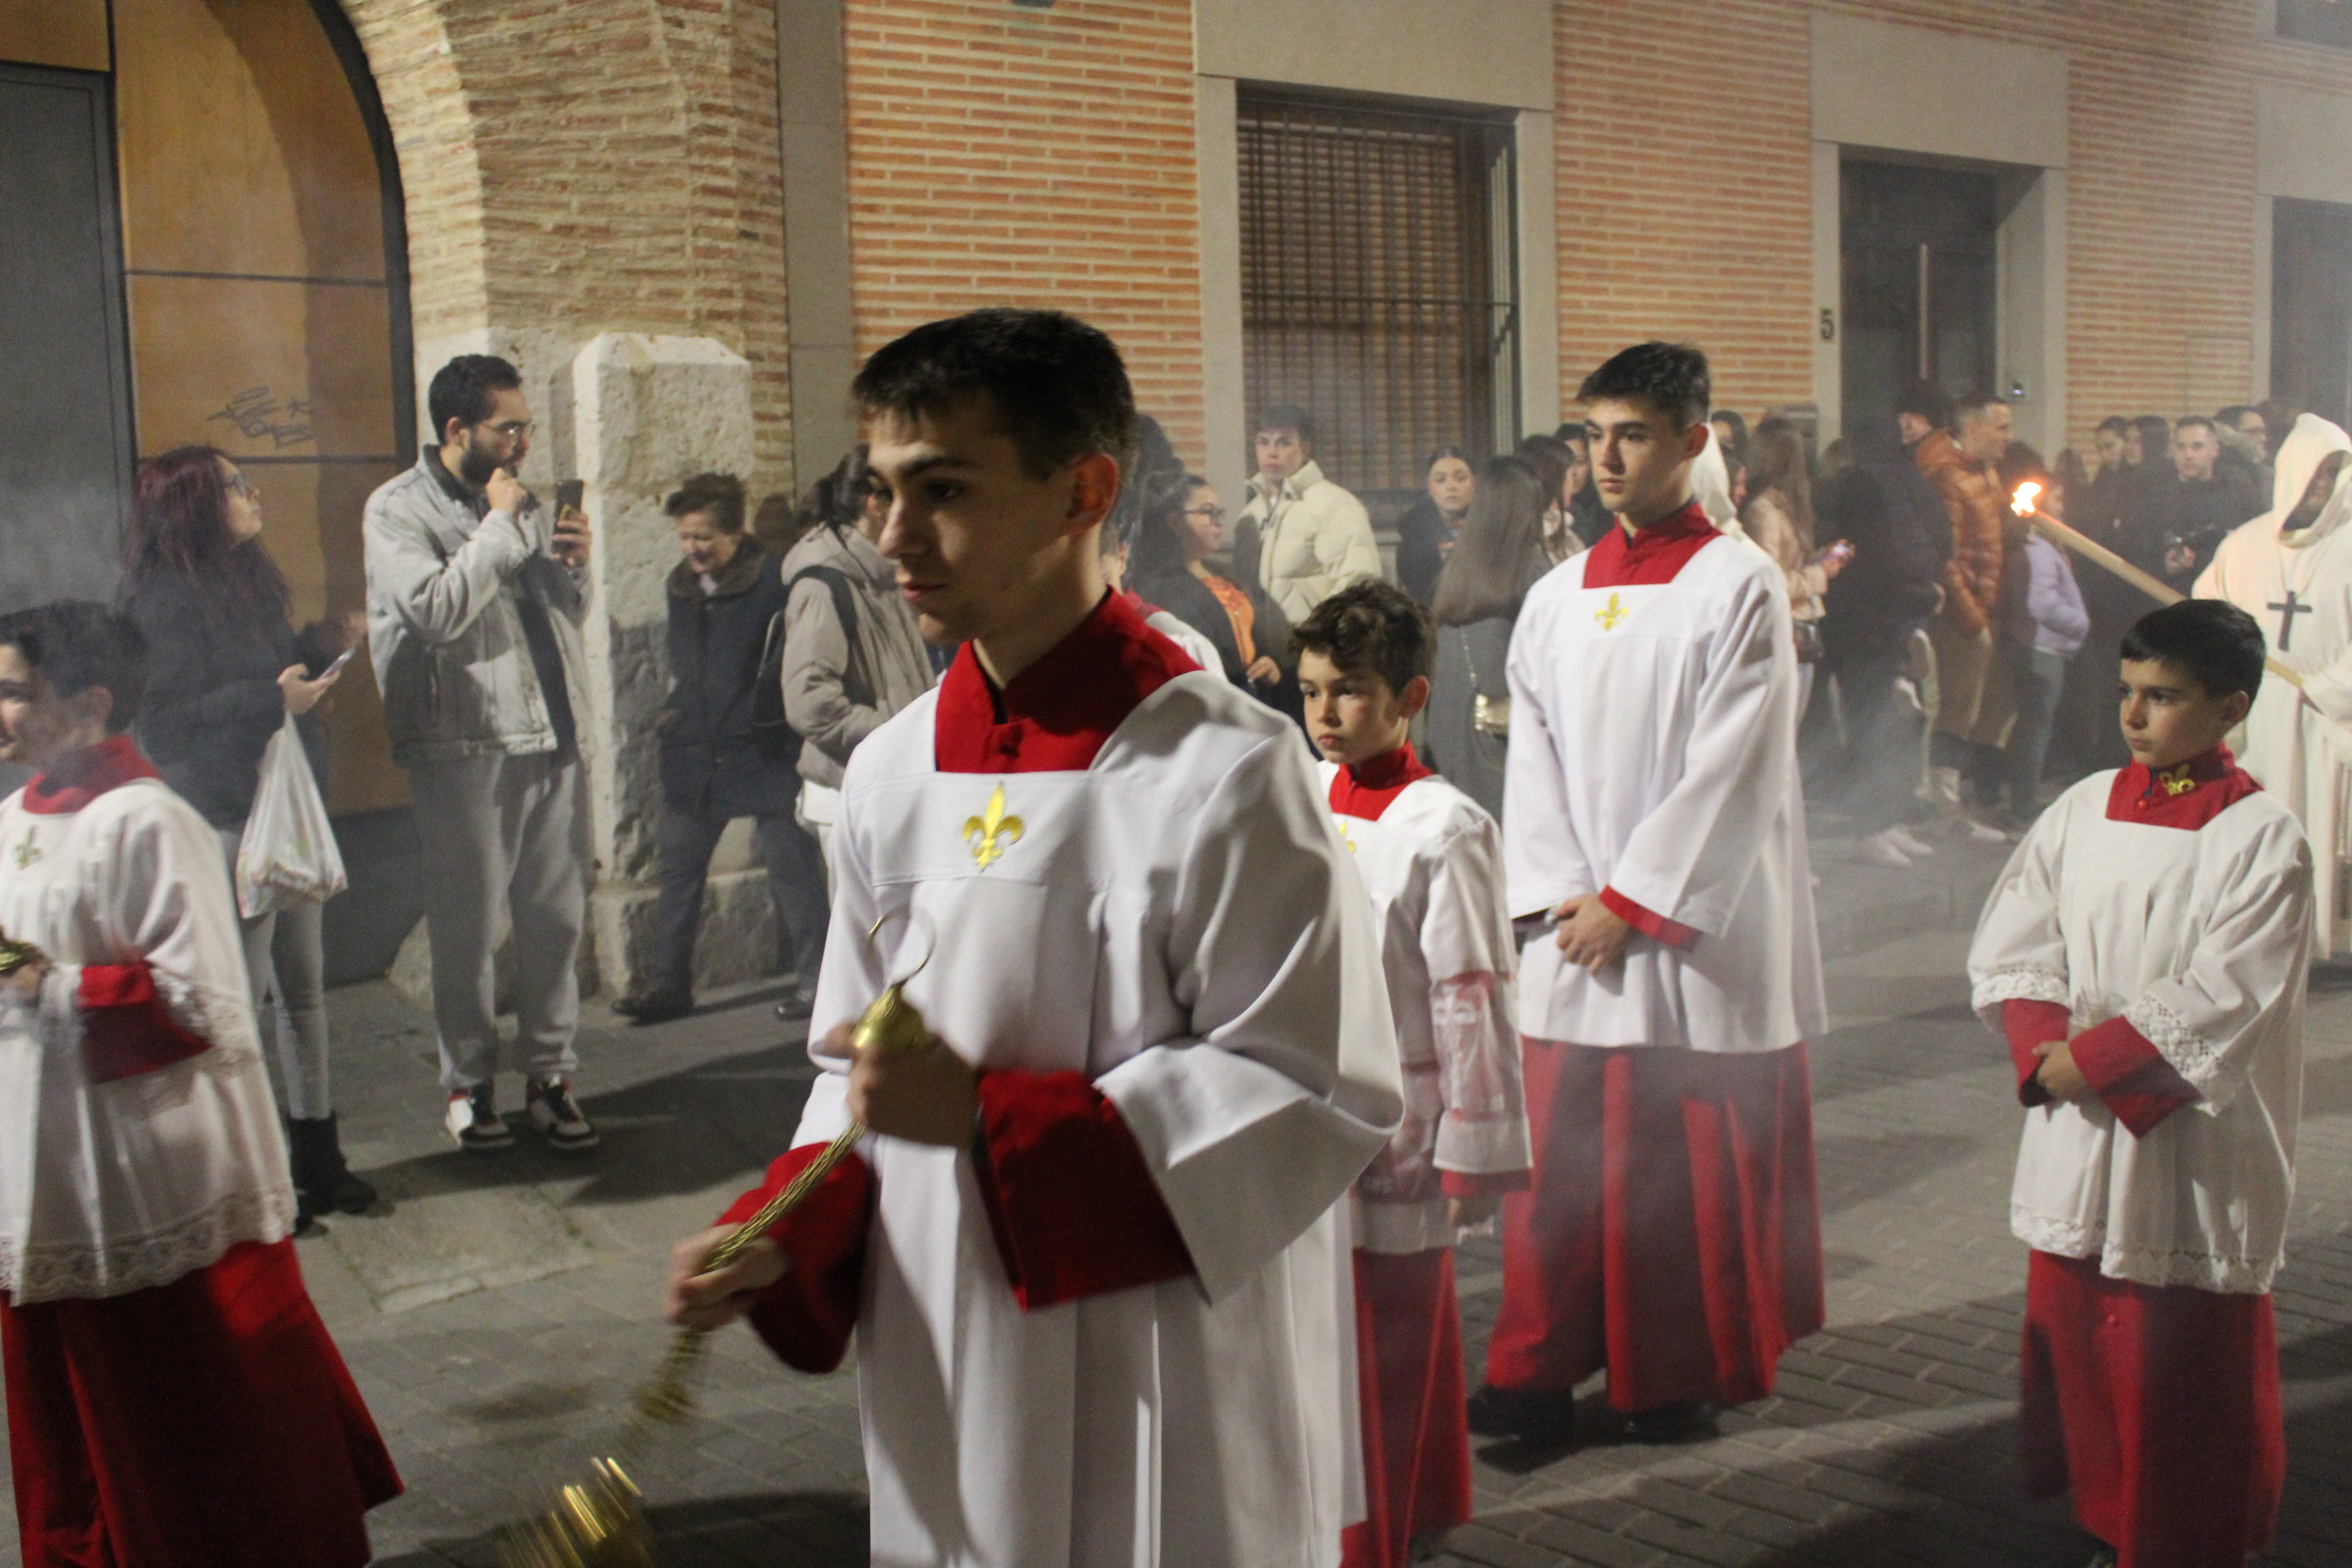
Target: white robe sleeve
x=2248, y=966
x=1256, y=1124
x=1465, y=940
x=2018, y=953
x=165, y=900
x=1544, y=860
x=1689, y=860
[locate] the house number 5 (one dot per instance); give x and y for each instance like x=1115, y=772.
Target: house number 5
x=1829, y=325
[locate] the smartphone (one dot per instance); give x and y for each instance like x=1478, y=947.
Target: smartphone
x=1841, y=552
x=568, y=495
x=341, y=659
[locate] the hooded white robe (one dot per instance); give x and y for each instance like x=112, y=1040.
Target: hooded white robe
x=2298, y=745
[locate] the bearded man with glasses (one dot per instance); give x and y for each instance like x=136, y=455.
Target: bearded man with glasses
x=476, y=593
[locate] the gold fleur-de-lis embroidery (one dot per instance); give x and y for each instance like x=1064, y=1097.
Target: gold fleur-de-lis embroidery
x=1346, y=839
x=1612, y=612
x=2178, y=781
x=990, y=835
x=28, y=852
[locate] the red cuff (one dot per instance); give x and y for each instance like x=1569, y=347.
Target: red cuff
x=126, y=1029
x=1485, y=1183
x=1073, y=1205
x=2028, y=1025
x=1649, y=923
x=2125, y=1069
x=807, y=1316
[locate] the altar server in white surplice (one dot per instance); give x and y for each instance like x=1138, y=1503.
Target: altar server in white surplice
x=2146, y=954
x=1431, y=859
x=1091, y=1252
x=2291, y=568
x=174, y=1399
x=1652, y=810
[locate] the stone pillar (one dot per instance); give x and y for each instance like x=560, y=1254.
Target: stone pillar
x=647, y=412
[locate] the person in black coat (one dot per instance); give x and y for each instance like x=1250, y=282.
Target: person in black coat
x=1886, y=509
x=1175, y=533
x=724, y=593
x=225, y=669
x=1425, y=535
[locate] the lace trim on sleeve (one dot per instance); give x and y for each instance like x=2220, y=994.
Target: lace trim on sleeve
x=2021, y=984
x=47, y=1272
x=2197, y=1058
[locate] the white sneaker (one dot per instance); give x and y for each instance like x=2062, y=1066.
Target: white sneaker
x=1944, y=786
x=1976, y=832
x=1882, y=849
x=1910, y=843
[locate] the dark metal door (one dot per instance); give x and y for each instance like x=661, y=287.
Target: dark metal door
x=2311, y=306
x=1920, y=276
x=65, y=396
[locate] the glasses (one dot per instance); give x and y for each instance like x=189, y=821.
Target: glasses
x=238, y=484
x=1215, y=513
x=515, y=429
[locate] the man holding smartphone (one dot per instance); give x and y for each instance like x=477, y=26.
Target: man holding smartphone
x=475, y=597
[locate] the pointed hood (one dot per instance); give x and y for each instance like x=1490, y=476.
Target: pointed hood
x=2299, y=457
x=1711, y=485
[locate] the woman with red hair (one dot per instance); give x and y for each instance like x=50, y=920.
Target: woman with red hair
x=226, y=667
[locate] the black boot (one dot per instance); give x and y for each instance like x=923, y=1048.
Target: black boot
x=325, y=1183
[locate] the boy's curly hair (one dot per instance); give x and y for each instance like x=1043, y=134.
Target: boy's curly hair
x=1371, y=625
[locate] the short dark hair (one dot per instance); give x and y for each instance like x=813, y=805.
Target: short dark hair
x=462, y=389
x=2230, y=413
x=1054, y=385
x=1927, y=400
x=1974, y=406
x=719, y=497
x=2185, y=421
x=2114, y=424
x=1287, y=416
x=1373, y=626
x=1673, y=378
x=2211, y=641
x=77, y=644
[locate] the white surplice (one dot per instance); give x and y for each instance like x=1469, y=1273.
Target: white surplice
x=1433, y=862
x=2299, y=588
x=112, y=1187
x=1180, y=924
x=2201, y=940
x=1654, y=751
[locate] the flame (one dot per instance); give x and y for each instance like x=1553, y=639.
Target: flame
x=2022, y=503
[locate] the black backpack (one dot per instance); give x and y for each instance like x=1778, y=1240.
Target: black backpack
x=770, y=731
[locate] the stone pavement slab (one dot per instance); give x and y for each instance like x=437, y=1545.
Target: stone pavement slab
x=497, y=1311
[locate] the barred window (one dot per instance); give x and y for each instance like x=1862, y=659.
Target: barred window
x=1379, y=281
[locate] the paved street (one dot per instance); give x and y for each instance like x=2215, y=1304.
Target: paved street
x=498, y=1310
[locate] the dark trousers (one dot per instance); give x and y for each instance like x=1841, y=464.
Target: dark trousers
x=795, y=881
x=2036, y=676
x=1882, y=755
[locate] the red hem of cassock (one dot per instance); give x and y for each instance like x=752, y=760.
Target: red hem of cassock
x=808, y=1315
x=1674, y=1234
x=208, y=1423
x=1416, y=1430
x=2158, y=1408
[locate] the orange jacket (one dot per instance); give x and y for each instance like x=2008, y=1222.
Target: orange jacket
x=1971, y=577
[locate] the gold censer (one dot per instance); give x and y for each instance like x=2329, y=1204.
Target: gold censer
x=600, y=1522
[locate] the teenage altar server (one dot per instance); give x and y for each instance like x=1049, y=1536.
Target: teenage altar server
x=1652, y=810
x=2291, y=568
x=173, y=1397
x=1431, y=859
x=1092, y=1253
x=2145, y=953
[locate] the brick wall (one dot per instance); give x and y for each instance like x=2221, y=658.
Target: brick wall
x=1005, y=156
x=1684, y=201
x=578, y=166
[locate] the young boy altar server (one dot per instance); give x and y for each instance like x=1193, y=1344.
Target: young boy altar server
x=1091, y=1252
x=1652, y=810
x=173, y=1401
x=2145, y=954
x=1433, y=861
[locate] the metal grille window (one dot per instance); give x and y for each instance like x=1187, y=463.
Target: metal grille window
x=1379, y=281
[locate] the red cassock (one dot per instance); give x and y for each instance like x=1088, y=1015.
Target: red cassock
x=1673, y=1235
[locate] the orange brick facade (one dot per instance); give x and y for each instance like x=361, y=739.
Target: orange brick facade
x=1000, y=155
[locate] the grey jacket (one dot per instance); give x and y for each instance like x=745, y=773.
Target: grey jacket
x=445, y=581
x=888, y=655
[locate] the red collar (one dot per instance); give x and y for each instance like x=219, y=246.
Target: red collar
x=77, y=780
x=1368, y=788
x=1654, y=554
x=2187, y=796
x=1054, y=715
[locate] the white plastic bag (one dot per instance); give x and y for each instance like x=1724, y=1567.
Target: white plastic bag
x=289, y=850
